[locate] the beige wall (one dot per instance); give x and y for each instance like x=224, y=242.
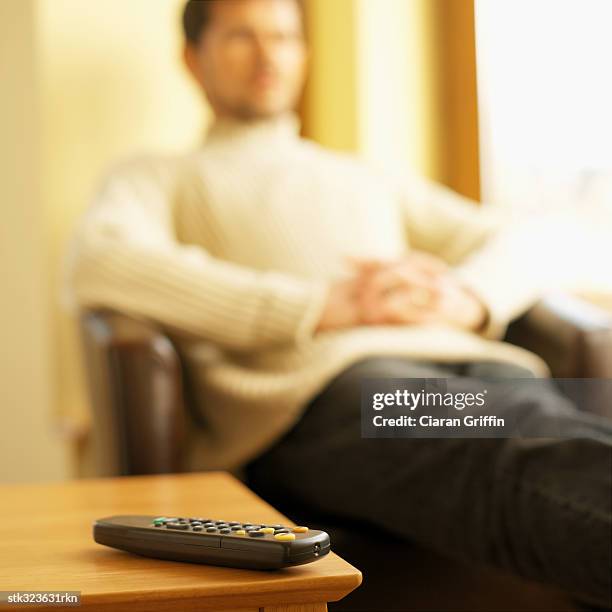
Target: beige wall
x=112, y=86
x=29, y=448
x=87, y=83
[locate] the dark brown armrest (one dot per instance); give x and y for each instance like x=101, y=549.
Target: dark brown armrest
x=571, y=335
x=136, y=390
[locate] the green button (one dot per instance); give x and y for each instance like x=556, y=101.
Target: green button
x=159, y=521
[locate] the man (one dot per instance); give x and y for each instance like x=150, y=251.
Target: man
x=306, y=271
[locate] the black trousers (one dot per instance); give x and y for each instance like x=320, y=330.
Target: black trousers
x=538, y=507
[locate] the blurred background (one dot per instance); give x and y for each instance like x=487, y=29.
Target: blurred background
x=506, y=101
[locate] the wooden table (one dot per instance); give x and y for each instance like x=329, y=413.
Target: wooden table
x=46, y=544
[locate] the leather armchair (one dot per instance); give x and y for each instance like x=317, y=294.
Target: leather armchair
x=142, y=424
x=141, y=408
x=136, y=391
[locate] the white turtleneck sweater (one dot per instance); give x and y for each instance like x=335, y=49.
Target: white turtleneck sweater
x=231, y=249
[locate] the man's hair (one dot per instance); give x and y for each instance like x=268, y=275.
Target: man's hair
x=197, y=15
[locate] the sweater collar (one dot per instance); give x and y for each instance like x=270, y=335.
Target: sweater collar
x=279, y=129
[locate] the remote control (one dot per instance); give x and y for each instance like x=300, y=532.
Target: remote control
x=211, y=541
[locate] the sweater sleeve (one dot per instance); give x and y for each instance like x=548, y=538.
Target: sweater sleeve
x=523, y=262
x=496, y=256
x=441, y=221
x=125, y=257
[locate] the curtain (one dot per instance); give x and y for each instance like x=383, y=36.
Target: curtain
x=396, y=80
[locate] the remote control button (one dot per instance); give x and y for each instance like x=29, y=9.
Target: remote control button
x=281, y=531
x=240, y=532
x=158, y=524
x=211, y=529
x=284, y=537
x=236, y=528
x=267, y=530
x=220, y=522
x=256, y=534
x=247, y=525
x=225, y=530
x=177, y=525
x=299, y=529
x=197, y=528
x=233, y=523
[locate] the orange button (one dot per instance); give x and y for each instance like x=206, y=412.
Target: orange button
x=285, y=536
x=300, y=529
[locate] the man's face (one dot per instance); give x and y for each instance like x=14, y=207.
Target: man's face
x=251, y=58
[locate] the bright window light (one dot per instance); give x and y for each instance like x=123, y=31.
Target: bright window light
x=545, y=95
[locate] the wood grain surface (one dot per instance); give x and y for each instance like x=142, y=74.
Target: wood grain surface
x=46, y=543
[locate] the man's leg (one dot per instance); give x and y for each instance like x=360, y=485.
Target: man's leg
x=540, y=508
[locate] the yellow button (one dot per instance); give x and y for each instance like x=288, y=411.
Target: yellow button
x=300, y=529
x=285, y=536
x=240, y=532
x=267, y=530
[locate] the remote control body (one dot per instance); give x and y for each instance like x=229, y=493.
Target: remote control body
x=213, y=542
